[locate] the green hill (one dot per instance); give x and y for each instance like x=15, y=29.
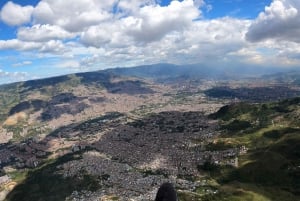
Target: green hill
x=270, y=170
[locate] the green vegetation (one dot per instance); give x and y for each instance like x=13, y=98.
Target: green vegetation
x=148, y=172
x=18, y=176
x=72, y=82
x=237, y=125
x=270, y=169
x=31, y=130
x=145, y=110
x=9, y=98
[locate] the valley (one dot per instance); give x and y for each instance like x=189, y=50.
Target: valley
x=117, y=135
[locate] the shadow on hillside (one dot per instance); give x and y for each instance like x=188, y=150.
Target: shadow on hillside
x=130, y=87
x=63, y=103
x=40, y=83
x=100, y=79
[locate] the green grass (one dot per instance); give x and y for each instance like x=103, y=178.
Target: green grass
x=9, y=97
x=237, y=125
x=270, y=170
x=18, y=176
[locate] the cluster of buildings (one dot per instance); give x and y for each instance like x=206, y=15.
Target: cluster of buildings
x=136, y=157
x=128, y=157
x=27, y=154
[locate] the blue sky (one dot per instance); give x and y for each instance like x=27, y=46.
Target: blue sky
x=41, y=38
x=236, y=8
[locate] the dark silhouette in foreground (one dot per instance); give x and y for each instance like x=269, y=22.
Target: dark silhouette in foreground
x=166, y=192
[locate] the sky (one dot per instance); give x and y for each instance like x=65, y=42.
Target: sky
x=44, y=38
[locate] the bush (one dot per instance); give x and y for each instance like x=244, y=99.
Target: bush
x=237, y=125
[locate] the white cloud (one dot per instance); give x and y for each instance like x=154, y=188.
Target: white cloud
x=129, y=7
x=14, y=14
x=42, y=33
x=23, y=63
x=52, y=46
x=148, y=24
x=90, y=61
x=69, y=64
x=202, y=41
x=15, y=44
x=72, y=15
x=280, y=20
x=153, y=22
x=12, y=76
x=97, y=36
x=97, y=25
x=209, y=41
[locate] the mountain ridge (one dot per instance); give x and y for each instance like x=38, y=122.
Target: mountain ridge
x=167, y=70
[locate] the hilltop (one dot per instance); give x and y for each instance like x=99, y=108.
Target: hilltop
x=270, y=168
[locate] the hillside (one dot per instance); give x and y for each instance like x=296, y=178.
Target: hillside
x=262, y=140
x=52, y=102
x=85, y=136
x=165, y=71
x=104, y=120
x=270, y=168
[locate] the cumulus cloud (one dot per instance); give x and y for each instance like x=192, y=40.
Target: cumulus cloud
x=149, y=23
x=97, y=23
x=90, y=61
x=97, y=36
x=14, y=14
x=72, y=15
x=52, y=46
x=69, y=64
x=153, y=22
x=211, y=40
x=15, y=44
x=12, y=76
x=42, y=33
x=202, y=41
x=23, y=63
x=280, y=20
x=127, y=7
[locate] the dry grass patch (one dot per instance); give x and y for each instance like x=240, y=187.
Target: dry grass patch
x=14, y=119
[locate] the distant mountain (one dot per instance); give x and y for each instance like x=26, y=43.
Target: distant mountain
x=62, y=97
x=167, y=71
x=292, y=77
x=161, y=72
x=164, y=71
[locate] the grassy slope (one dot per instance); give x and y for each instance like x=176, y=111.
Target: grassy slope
x=270, y=170
x=9, y=97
